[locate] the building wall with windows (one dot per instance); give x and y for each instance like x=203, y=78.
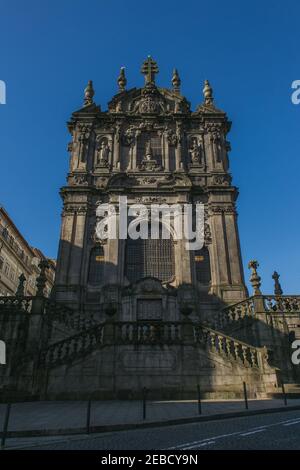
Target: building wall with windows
x=18, y=257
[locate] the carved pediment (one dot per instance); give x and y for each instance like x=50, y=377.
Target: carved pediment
x=149, y=100
x=148, y=285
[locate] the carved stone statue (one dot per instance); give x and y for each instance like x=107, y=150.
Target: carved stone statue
x=195, y=152
x=103, y=152
x=148, y=151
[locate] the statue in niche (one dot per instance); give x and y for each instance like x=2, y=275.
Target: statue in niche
x=148, y=152
x=119, y=107
x=195, y=151
x=103, y=152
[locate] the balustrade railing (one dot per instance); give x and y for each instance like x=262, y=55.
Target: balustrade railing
x=229, y=347
x=69, y=317
x=73, y=347
x=240, y=312
x=15, y=303
x=133, y=333
x=282, y=303
x=147, y=332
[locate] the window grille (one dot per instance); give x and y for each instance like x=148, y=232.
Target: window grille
x=150, y=258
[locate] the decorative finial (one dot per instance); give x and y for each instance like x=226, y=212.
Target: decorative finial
x=277, y=286
x=122, y=79
x=89, y=94
x=149, y=69
x=21, y=288
x=176, y=82
x=255, y=279
x=208, y=93
x=41, y=279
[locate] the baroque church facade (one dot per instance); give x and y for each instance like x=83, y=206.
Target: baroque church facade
x=150, y=147
x=127, y=314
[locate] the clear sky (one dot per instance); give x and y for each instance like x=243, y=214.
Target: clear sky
x=249, y=50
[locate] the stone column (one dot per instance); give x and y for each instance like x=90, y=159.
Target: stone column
x=77, y=249
x=234, y=254
x=226, y=267
x=64, y=248
x=178, y=150
x=116, y=149
x=182, y=263
x=219, y=263
x=166, y=150
x=134, y=152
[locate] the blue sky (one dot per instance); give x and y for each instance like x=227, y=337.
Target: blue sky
x=248, y=51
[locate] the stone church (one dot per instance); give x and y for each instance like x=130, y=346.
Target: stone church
x=130, y=314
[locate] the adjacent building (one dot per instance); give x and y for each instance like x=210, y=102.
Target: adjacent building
x=18, y=257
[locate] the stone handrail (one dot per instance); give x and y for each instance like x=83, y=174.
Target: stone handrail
x=226, y=346
x=147, y=332
x=73, y=347
x=69, y=317
x=236, y=313
x=282, y=303
x=23, y=303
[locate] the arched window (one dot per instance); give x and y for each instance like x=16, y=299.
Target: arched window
x=150, y=258
x=96, y=265
x=202, y=265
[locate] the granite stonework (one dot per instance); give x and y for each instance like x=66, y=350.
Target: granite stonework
x=127, y=314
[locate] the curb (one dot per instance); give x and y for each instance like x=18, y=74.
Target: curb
x=151, y=424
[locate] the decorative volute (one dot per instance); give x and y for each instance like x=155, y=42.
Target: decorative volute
x=89, y=94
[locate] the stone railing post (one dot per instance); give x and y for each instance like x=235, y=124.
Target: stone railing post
x=38, y=302
x=21, y=286
x=187, y=332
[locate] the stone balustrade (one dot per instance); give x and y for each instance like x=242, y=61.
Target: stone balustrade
x=282, y=303
x=228, y=347
x=240, y=312
x=15, y=303
x=73, y=347
x=68, y=317
x=166, y=333
x=147, y=332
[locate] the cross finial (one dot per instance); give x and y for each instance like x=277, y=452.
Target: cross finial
x=149, y=69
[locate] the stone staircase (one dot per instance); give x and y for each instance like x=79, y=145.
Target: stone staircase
x=232, y=349
x=72, y=348
x=234, y=317
x=152, y=333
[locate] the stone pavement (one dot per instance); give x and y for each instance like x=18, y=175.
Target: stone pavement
x=57, y=416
